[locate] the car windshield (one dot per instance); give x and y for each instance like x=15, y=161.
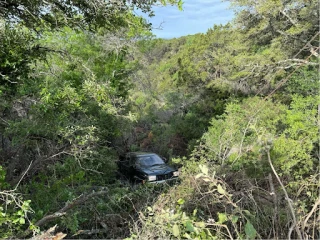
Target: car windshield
x=149, y=160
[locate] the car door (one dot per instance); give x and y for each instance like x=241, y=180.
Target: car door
x=125, y=165
x=132, y=170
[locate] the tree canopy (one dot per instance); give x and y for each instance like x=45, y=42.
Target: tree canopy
x=80, y=13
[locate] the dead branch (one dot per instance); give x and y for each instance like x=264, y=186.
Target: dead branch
x=25, y=172
x=77, y=201
x=299, y=61
x=307, y=44
x=275, y=202
x=310, y=213
x=294, y=225
x=90, y=232
x=69, y=205
x=288, y=17
x=4, y=121
x=49, y=234
x=221, y=225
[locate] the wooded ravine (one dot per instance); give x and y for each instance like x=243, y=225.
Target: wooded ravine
x=236, y=109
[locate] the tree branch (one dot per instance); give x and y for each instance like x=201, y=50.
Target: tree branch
x=288, y=17
x=299, y=61
x=77, y=201
x=69, y=205
x=288, y=200
x=310, y=213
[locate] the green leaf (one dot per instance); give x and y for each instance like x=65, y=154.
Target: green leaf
x=206, y=179
x=199, y=175
x=22, y=221
x=195, y=212
x=175, y=230
x=180, y=201
x=189, y=226
x=200, y=224
x=16, y=220
x=250, y=231
x=222, y=217
x=187, y=236
x=248, y=213
x=221, y=190
x=234, y=219
x=204, y=169
x=180, y=4
x=203, y=235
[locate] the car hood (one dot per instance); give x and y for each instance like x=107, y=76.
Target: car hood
x=156, y=170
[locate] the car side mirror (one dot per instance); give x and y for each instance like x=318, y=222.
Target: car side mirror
x=165, y=160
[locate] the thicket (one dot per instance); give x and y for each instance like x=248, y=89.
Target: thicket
x=253, y=168
x=237, y=109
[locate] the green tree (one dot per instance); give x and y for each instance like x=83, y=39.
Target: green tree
x=84, y=14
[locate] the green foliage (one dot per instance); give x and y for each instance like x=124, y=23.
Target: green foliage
x=236, y=139
x=303, y=82
x=55, y=14
x=200, y=207
x=173, y=223
x=19, y=50
x=250, y=231
x=70, y=99
x=14, y=211
x=298, y=139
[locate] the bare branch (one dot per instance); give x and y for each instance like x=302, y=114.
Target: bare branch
x=90, y=232
x=63, y=211
x=4, y=121
x=25, y=172
x=288, y=17
x=77, y=201
x=299, y=61
x=307, y=44
x=294, y=225
x=49, y=234
x=310, y=213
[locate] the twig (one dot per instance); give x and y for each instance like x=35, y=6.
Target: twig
x=25, y=172
x=220, y=225
x=4, y=121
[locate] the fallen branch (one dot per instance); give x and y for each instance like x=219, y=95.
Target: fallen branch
x=90, y=232
x=63, y=211
x=49, y=234
x=77, y=201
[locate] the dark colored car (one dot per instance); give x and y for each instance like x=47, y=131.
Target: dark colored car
x=146, y=167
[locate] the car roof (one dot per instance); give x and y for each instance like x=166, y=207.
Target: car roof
x=142, y=153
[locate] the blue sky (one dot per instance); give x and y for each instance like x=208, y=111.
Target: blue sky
x=197, y=17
